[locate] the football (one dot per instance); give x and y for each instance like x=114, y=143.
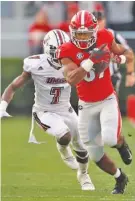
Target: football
x=100, y=67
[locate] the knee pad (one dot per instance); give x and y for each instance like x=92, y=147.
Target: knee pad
x=65, y=139
x=82, y=157
x=109, y=136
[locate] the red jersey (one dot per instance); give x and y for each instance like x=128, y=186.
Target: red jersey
x=94, y=87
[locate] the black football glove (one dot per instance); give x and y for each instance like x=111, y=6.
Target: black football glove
x=100, y=54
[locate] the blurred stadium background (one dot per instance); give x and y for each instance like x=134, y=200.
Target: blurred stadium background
x=31, y=172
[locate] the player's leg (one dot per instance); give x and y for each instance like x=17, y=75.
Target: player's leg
x=71, y=121
x=108, y=166
x=93, y=141
x=101, y=159
x=110, y=120
x=90, y=130
x=67, y=155
x=54, y=125
x=111, y=124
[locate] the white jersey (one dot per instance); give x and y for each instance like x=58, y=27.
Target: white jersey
x=52, y=92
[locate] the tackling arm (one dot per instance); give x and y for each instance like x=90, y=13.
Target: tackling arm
x=10, y=90
x=15, y=84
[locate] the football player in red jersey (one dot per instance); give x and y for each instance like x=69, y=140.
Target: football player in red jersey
x=85, y=63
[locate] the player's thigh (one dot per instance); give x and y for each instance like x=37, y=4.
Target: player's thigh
x=111, y=122
x=90, y=131
x=88, y=123
x=83, y=123
x=52, y=123
x=71, y=120
x=93, y=143
x=75, y=137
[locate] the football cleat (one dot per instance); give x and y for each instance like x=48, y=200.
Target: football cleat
x=67, y=156
x=125, y=153
x=71, y=162
x=120, y=185
x=85, y=181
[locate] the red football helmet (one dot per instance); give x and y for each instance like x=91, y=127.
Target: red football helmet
x=83, y=29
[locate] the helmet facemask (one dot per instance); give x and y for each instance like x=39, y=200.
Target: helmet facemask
x=83, y=38
x=52, y=40
x=83, y=29
x=53, y=59
x=51, y=51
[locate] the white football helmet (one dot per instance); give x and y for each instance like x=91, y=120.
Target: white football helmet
x=52, y=40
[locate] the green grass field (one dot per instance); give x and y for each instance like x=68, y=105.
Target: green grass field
x=33, y=172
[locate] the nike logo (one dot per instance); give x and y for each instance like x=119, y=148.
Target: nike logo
x=40, y=68
x=130, y=155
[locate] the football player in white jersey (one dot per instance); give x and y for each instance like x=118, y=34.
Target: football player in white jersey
x=52, y=109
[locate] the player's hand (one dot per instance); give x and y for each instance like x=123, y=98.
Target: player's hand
x=116, y=59
x=100, y=54
x=130, y=80
x=119, y=59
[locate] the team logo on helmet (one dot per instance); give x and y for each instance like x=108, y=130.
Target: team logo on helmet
x=80, y=107
x=80, y=55
x=94, y=19
x=46, y=40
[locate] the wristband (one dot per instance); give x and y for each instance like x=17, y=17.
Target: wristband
x=3, y=105
x=123, y=59
x=87, y=65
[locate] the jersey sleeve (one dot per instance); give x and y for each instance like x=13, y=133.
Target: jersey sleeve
x=63, y=52
x=109, y=37
x=26, y=65
x=31, y=62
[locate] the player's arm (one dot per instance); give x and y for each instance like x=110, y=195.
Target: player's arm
x=11, y=89
x=72, y=72
x=126, y=56
x=122, y=41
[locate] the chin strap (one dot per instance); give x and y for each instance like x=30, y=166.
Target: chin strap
x=51, y=64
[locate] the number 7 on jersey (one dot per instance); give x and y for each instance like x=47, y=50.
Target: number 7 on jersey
x=56, y=92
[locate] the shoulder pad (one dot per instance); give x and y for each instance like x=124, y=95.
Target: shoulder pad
x=64, y=50
x=107, y=34
x=31, y=62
